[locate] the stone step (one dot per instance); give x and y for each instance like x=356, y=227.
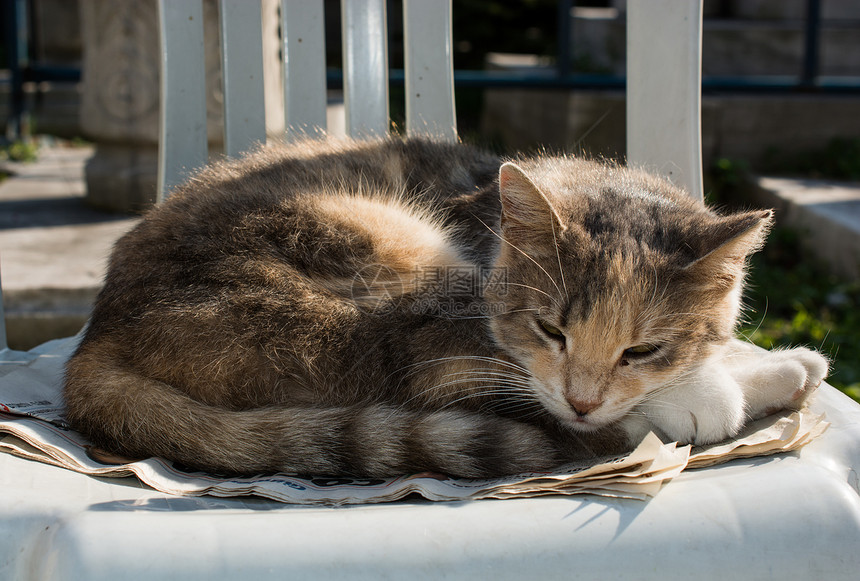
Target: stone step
x=826, y=212
x=53, y=248
x=731, y=47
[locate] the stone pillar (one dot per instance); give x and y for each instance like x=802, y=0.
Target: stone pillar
x=120, y=101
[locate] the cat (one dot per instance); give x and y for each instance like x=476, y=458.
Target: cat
x=376, y=308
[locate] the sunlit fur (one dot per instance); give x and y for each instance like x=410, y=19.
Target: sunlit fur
x=303, y=309
x=619, y=272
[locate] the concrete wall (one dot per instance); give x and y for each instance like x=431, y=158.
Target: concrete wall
x=736, y=126
x=121, y=94
x=120, y=105
x=760, y=37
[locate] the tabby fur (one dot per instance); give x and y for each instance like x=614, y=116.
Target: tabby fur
x=385, y=307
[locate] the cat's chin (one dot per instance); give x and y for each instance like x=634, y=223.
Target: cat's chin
x=581, y=424
x=585, y=426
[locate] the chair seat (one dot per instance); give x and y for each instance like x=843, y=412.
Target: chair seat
x=795, y=516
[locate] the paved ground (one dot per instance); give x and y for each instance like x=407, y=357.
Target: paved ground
x=53, y=249
x=829, y=212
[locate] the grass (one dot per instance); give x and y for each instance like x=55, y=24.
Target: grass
x=22, y=150
x=839, y=160
x=792, y=298
x=17, y=151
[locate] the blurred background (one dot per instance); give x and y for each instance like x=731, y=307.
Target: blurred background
x=780, y=120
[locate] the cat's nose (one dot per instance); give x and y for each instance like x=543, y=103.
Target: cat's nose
x=583, y=407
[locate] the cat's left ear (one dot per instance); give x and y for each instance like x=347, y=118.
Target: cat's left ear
x=527, y=214
x=726, y=244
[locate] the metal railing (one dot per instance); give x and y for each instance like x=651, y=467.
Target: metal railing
x=23, y=69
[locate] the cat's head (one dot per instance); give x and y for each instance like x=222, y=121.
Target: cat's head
x=618, y=283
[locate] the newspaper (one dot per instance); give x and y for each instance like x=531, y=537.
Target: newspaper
x=32, y=426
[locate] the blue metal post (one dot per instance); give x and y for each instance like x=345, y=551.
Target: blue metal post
x=564, y=38
x=15, y=17
x=809, y=74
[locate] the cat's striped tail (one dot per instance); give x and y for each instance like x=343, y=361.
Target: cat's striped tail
x=136, y=417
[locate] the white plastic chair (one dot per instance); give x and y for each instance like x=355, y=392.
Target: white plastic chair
x=793, y=516
x=663, y=81
x=429, y=75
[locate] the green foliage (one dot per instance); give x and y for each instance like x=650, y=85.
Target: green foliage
x=79, y=141
x=793, y=300
x=728, y=173
x=839, y=159
x=24, y=150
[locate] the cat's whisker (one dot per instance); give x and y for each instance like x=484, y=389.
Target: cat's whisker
x=506, y=313
x=761, y=320
x=490, y=377
x=535, y=262
x=524, y=415
x=416, y=367
x=578, y=143
x=558, y=257
x=477, y=377
x=675, y=315
x=652, y=301
x=470, y=394
x=669, y=385
x=467, y=396
x=664, y=405
x=516, y=401
x=481, y=381
x=456, y=317
x=673, y=329
x=479, y=370
x=481, y=358
x=537, y=290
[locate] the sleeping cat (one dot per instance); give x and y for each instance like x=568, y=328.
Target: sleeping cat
x=385, y=307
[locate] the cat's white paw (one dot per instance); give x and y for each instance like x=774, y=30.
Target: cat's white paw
x=708, y=408
x=777, y=380
x=745, y=383
x=636, y=427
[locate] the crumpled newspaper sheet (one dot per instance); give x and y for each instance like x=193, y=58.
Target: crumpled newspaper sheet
x=32, y=426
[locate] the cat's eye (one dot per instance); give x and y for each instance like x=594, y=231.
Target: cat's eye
x=551, y=330
x=640, y=351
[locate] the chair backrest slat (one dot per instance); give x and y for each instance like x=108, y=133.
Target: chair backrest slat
x=664, y=89
x=365, y=67
x=302, y=25
x=183, y=144
x=429, y=68
x=4, y=344
x=242, y=75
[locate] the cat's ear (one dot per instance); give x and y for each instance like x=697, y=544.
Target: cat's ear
x=527, y=214
x=726, y=244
